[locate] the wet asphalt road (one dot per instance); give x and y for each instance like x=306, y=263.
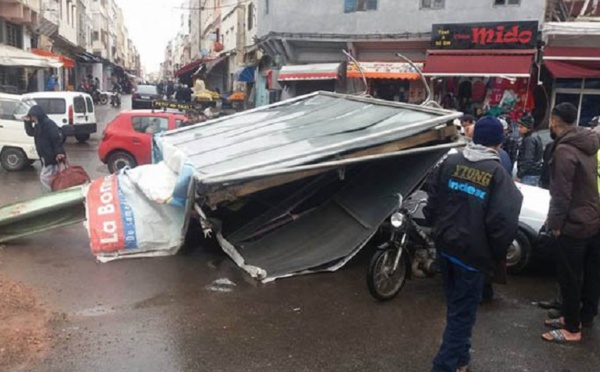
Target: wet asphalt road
x=197, y=312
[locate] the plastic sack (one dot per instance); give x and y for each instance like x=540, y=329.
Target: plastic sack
x=140, y=212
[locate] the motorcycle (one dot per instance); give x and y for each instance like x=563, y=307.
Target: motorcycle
x=115, y=99
x=99, y=97
x=409, y=252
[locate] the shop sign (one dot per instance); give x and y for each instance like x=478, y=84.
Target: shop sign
x=385, y=67
x=495, y=35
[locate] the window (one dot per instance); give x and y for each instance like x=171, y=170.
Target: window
x=79, y=105
x=266, y=6
x=179, y=123
x=14, y=35
x=95, y=36
x=250, y=16
x=506, y=2
x=7, y=109
x=149, y=124
x=432, y=4
x=351, y=6
x=52, y=106
x=90, y=104
x=583, y=93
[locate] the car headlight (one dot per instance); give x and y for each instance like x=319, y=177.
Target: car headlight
x=397, y=220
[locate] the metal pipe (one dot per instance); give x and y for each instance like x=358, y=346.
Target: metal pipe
x=360, y=70
x=336, y=164
x=429, y=100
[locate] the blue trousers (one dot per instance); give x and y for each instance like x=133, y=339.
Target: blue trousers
x=530, y=180
x=463, y=290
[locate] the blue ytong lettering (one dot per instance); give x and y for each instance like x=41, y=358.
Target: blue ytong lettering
x=467, y=189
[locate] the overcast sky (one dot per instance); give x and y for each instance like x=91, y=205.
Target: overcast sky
x=151, y=24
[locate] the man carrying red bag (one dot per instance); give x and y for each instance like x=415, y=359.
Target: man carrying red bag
x=48, y=143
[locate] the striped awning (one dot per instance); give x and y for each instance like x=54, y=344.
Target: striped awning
x=315, y=71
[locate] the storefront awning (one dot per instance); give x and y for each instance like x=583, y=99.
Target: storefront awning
x=11, y=56
x=317, y=71
x=245, y=74
x=208, y=66
x=479, y=63
x=384, y=70
x=190, y=67
x=563, y=62
x=67, y=62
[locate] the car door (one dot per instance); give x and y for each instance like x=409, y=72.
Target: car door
x=144, y=129
x=80, y=115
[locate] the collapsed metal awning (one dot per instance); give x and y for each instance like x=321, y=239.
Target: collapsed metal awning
x=302, y=185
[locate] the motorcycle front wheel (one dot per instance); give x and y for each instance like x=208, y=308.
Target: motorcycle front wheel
x=383, y=281
x=103, y=99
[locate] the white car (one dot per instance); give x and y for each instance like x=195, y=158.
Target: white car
x=17, y=149
x=73, y=112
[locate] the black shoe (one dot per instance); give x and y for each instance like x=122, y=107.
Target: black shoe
x=551, y=304
x=554, y=314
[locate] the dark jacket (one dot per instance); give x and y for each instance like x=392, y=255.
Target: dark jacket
x=545, y=175
x=47, y=136
x=474, y=208
x=530, y=156
x=574, y=206
x=505, y=161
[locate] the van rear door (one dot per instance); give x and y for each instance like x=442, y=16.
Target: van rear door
x=80, y=115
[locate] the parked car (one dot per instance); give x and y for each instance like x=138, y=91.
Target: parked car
x=143, y=96
x=17, y=149
x=127, y=140
x=73, y=112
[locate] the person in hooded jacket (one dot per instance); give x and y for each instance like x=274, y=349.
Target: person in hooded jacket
x=48, y=143
x=474, y=208
x=574, y=221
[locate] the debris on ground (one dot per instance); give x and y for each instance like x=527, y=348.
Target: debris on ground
x=24, y=327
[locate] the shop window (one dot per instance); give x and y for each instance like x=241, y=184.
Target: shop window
x=351, y=6
x=569, y=83
x=592, y=84
x=433, y=4
x=507, y=2
x=583, y=93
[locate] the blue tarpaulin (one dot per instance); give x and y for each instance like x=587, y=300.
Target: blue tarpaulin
x=245, y=74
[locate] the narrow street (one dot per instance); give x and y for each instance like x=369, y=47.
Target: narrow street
x=198, y=312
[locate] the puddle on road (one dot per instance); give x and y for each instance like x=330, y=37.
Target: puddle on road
x=223, y=285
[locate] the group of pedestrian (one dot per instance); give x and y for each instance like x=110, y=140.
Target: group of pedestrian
x=474, y=210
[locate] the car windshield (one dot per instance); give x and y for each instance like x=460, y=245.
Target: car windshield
x=146, y=89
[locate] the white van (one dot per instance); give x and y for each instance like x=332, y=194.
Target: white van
x=17, y=149
x=73, y=112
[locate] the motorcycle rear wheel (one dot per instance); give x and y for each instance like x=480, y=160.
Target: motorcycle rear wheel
x=103, y=99
x=384, y=284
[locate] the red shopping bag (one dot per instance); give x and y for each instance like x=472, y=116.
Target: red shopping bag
x=69, y=176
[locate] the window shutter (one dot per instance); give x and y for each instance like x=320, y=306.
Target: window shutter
x=371, y=4
x=350, y=6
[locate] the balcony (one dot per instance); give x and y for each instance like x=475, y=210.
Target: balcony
x=23, y=12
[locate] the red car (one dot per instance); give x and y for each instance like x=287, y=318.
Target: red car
x=127, y=140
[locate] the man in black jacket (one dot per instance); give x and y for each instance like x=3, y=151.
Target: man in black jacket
x=531, y=151
x=574, y=220
x=474, y=209
x=48, y=143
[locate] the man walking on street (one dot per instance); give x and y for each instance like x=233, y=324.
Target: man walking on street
x=531, y=151
x=574, y=220
x=474, y=209
x=48, y=143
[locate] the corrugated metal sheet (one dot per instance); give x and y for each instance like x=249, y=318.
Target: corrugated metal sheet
x=299, y=131
x=47, y=212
